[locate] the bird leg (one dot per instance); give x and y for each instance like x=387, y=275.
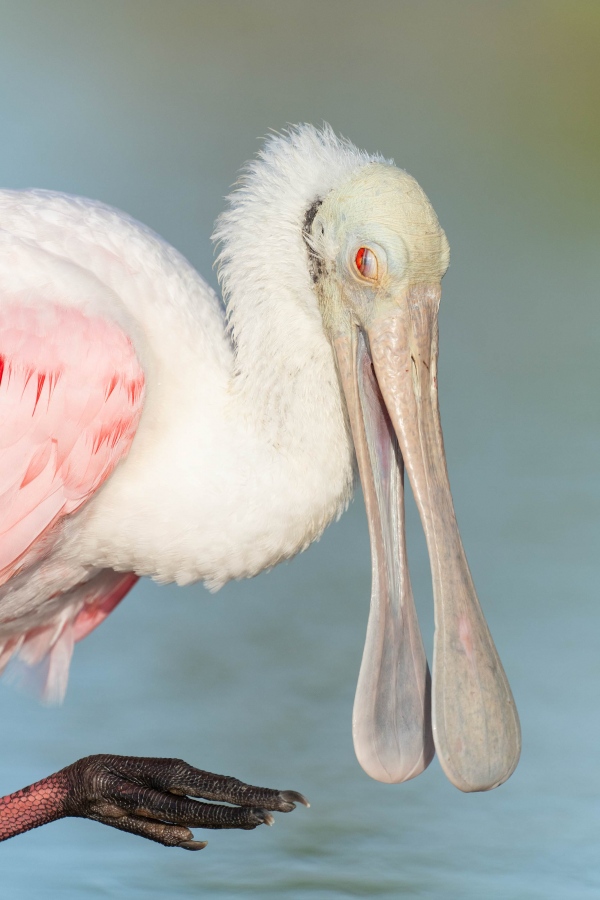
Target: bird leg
x=148, y=796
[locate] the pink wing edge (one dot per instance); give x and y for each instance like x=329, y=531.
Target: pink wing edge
x=71, y=396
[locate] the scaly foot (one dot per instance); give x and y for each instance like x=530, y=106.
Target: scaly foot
x=148, y=796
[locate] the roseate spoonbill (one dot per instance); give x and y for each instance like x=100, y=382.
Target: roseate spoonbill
x=143, y=432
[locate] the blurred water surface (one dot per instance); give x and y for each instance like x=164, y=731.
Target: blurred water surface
x=153, y=107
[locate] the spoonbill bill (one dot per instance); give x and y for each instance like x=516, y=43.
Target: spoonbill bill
x=146, y=432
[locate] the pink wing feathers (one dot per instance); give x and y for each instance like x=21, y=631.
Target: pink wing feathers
x=71, y=395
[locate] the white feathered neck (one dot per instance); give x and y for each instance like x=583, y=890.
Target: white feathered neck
x=272, y=310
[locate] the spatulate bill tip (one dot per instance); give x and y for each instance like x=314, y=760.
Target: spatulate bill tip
x=478, y=773
x=393, y=766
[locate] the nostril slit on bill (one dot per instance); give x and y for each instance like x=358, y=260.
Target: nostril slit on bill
x=415, y=378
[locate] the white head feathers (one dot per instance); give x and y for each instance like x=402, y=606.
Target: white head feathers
x=263, y=260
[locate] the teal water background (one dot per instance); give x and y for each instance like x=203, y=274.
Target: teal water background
x=494, y=108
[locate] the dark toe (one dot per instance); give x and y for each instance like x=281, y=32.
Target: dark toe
x=152, y=797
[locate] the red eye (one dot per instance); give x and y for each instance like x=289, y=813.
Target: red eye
x=366, y=263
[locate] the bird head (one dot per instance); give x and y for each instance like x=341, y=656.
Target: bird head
x=370, y=241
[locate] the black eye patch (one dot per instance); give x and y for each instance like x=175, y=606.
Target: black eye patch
x=315, y=262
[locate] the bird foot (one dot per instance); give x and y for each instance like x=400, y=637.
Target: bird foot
x=150, y=797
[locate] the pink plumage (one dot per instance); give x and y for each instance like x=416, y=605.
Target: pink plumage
x=71, y=395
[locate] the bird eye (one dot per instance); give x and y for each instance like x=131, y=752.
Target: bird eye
x=366, y=263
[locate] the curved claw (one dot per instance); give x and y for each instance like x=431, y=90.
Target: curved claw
x=193, y=845
x=291, y=798
x=267, y=818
